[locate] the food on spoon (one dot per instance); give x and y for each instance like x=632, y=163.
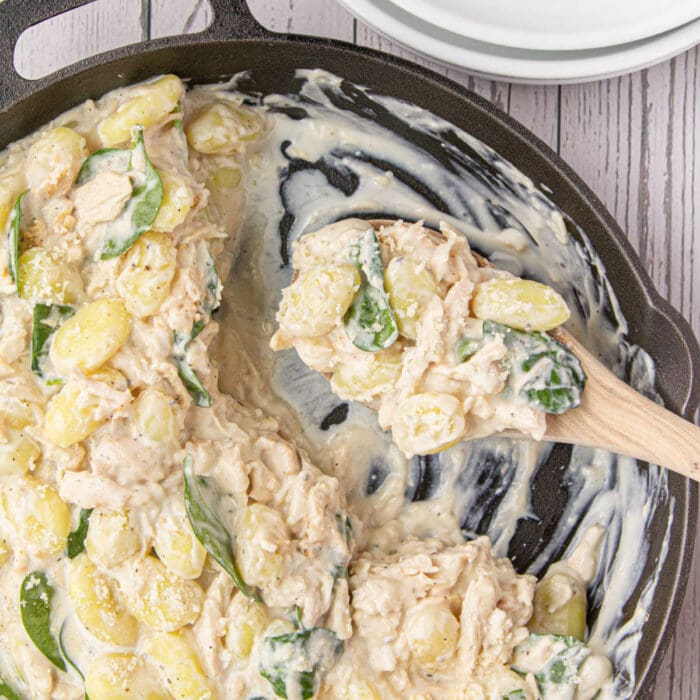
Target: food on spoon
x=160, y=538
x=442, y=346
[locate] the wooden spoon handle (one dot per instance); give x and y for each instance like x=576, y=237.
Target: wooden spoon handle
x=617, y=418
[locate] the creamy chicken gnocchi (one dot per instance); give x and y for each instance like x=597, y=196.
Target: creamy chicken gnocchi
x=411, y=323
x=159, y=539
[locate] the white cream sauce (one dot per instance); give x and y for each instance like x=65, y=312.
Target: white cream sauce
x=330, y=160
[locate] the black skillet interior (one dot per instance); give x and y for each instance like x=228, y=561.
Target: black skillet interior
x=235, y=42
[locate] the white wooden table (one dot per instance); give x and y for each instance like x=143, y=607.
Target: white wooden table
x=634, y=139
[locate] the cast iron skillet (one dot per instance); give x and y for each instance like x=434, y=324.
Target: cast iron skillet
x=235, y=42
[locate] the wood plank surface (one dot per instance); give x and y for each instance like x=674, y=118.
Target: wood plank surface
x=100, y=26
x=634, y=139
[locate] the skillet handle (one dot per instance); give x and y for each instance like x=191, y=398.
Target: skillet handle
x=15, y=17
x=232, y=20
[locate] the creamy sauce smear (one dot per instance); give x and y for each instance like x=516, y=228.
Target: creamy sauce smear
x=326, y=159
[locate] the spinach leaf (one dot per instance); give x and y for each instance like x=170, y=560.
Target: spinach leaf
x=14, y=222
x=340, y=568
x=210, y=303
x=105, y=160
x=211, y=296
x=7, y=692
x=554, y=660
x=189, y=378
x=466, y=347
x=178, y=128
x=142, y=208
x=369, y=322
x=67, y=657
x=192, y=383
x=518, y=694
x=178, y=123
x=46, y=319
x=35, y=598
x=76, y=539
x=293, y=663
x=543, y=372
x=201, y=504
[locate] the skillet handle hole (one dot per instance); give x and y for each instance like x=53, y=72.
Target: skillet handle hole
x=100, y=26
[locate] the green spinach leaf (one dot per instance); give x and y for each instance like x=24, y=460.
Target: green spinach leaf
x=518, y=694
x=340, y=567
x=466, y=347
x=554, y=660
x=14, y=222
x=192, y=383
x=76, y=539
x=67, y=657
x=293, y=663
x=189, y=377
x=142, y=207
x=201, y=504
x=36, y=594
x=298, y=617
x=6, y=691
x=543, y=372
x=211, y=296
x=46, y=319
x=114, y=160
x=369, y=322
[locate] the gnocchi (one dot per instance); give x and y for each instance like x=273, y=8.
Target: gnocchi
x=180, y=669
x=153, y=102
x=410, y=287
x=428, y=422
x=37, y=514
x=155, y=417
x=260, y=564
x=123, y=677
x=88, y=339
x=318, y=299
x=222, y=128
x=432, y=634
x=54, y=160
x=112, y=537
x=82, y=406
x=247, y=620
x=144, y=282
x=177, y=547
x=159, y=598
x=44, y=278
x=178, y=200
x=522, y=304
x=18, y=453
x=96, y=605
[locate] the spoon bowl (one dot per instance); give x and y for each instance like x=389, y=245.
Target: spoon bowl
x=613, y=416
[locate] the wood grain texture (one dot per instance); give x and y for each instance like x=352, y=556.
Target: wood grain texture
x=634, y=139
x=168, y=18
x=615, y=417
x=100, y=26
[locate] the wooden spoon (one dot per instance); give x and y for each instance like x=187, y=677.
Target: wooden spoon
x=615, y=417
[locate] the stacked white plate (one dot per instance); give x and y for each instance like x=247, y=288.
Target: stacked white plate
x=538, y=41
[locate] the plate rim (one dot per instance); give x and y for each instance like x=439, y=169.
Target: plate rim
x=552, y=39
x=527, y=71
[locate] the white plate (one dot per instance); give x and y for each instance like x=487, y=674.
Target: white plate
x=520, y=65
x=544, y=25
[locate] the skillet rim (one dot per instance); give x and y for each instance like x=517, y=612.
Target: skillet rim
x=656, y=308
